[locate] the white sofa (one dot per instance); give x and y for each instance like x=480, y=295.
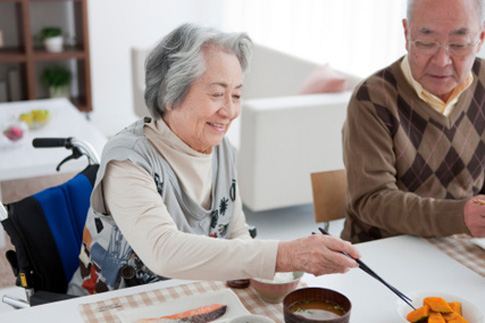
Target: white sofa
x=285, y=136
x=138, y=56
x=281, y=136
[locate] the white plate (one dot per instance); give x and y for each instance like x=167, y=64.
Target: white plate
x=479, y=242
x=225, y=296
x=250, y=318
x=470, y=311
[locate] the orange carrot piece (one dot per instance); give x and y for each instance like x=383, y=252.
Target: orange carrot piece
x=435, y=317
x=455, y=306
x=418, y=314
x=437, y=304
x=454, y=317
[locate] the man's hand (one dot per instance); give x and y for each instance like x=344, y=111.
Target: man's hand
x=474, y=212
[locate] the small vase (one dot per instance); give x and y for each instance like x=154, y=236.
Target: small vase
x=53, y=44
x=59, y=91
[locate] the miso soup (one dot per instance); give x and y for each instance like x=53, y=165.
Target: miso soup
x=317, y=309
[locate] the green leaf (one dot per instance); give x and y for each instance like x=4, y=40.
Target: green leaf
x=49, y=32
x=56, y=76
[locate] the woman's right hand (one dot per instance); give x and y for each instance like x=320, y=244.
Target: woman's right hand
x=317, y=254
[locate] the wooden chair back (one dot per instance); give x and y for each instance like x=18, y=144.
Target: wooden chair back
x=329, y=189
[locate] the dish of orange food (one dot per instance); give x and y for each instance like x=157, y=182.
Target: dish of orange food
x=468, y=309
x=437, y=310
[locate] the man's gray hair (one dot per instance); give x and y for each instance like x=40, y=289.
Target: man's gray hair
x=177, y=61
x=480, y=5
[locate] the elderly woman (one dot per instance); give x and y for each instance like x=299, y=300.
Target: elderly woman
x=166, y=203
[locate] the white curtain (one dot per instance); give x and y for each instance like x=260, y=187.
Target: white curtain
x=355, y=36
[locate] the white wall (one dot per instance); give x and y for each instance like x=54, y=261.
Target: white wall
x=117, y=25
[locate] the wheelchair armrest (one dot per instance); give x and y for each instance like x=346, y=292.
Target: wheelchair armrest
x=15, y=302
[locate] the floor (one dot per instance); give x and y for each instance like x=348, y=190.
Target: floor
x=288, y=223
x=281, y=224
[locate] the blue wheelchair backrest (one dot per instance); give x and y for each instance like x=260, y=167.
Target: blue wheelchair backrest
x=46, y=230
x=65, y=208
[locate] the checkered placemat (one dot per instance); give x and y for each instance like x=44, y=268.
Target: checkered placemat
x=462, y=249
x=105, y=311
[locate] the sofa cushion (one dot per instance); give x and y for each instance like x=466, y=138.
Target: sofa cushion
x=323, y=79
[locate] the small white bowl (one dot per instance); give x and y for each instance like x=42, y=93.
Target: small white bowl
x=273, y=291
x=470, y=311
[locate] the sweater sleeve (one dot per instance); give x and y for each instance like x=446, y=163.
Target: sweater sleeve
x=133, y=201
x=374, y=196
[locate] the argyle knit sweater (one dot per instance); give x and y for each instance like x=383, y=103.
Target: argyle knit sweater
x=411, y=169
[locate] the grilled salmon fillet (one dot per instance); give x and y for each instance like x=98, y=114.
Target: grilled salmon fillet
x=198, y=315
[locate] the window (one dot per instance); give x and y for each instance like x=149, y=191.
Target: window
x=355, y=36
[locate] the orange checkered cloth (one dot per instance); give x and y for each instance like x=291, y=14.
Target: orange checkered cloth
x=105, y=311
x=462, y=249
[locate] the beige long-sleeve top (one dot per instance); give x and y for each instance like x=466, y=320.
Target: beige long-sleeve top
x=146, y=224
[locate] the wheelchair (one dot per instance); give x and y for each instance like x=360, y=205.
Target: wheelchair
x=46, y=229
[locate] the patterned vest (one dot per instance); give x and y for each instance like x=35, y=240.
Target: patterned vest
x=106, y=260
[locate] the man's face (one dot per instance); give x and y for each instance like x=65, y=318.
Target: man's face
x=444, y=22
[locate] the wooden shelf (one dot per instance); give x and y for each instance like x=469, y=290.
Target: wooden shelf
x=41, y=54
x=12, y=55
x=80, y=103
x=29, y=56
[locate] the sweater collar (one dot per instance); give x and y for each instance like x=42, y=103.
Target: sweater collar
x=158, y=129
x=432, y=100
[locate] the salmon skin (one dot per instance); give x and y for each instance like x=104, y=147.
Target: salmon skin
x=198, y=315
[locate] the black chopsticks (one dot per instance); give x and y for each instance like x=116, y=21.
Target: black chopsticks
x=365, y=268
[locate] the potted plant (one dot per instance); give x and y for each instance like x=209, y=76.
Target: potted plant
x=52, y=39
x=57, y=79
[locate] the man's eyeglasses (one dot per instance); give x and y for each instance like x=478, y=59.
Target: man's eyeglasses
x=456, y=49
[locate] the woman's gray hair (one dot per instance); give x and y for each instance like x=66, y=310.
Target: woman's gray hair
x=480, y=5
x=177, y=61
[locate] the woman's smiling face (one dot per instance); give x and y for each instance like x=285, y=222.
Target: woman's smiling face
x=212, y=102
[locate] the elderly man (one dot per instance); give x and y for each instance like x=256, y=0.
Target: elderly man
x=414, y=138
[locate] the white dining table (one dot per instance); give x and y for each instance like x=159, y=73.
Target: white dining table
x=409, y=263
x=19, y=159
